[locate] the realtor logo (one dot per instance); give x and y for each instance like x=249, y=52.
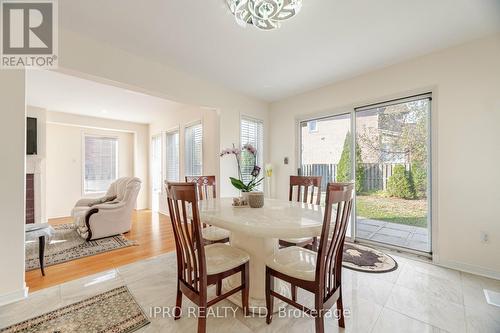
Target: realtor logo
x=29, y=34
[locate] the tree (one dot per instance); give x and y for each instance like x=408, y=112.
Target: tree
x=400, y=184
x=345, y=164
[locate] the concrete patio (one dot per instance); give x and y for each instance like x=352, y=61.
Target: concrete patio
x=416, y=238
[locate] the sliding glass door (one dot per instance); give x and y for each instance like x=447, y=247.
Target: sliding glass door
x=392, y=159
x=388, y=158
x=326, y=150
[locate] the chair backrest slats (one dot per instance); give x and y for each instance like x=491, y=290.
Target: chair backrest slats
x=302, y=184
x=332, y=239
x=205, y=185
x=184, y=215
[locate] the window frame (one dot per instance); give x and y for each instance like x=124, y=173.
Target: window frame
x=153, y=137
x=177, y=131
x=117, y=166
x=186, y=126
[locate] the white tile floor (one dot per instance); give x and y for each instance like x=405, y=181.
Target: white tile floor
x=417, y=297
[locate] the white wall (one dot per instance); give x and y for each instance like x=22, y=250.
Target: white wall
x=465, y=82
x=12, y=178
x=85, y=57
x=64, y=157
x=65, y=164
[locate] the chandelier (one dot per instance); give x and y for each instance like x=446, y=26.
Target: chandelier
x=264, y=14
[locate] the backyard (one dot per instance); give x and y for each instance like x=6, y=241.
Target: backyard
x=394, y=210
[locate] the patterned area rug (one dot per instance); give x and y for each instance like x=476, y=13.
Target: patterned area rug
x=114, y=311
x=67, y=245
x=365, y=259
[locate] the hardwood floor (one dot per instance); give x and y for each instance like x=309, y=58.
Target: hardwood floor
x=152, y=231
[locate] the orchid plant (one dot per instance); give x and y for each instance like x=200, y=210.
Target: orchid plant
x=251, y=152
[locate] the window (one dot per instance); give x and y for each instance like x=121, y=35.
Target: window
x=194, y=150
x=156, y=162
x=312, y=125
x=172, y=156
x=101, y=163
x=251, y=132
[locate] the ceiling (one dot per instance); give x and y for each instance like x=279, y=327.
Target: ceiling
x=330, y=40
x=60, y=92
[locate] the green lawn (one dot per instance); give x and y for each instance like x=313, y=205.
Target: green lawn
x=395, y=210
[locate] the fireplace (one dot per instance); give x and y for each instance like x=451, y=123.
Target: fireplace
x=30, y=198
x=35, y=189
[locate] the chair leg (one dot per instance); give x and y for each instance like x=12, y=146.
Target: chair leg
x=340, y=308
x=178, y=303
x=245, y=280
x=319, y=322
x=315, y=244
x=202, y=319
x=294, y=292
x=218, y=290
x=269, y=297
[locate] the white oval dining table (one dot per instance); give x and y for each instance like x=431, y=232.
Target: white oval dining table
x=257, y=232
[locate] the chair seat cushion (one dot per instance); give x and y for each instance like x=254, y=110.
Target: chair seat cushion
x=213, y=234
x=294, y=261
x=223, y=257
x=298, y=240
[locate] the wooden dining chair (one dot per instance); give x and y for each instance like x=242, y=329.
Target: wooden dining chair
x=207, y=189
x=317, y=272
x=308, y=190
x=199, y=266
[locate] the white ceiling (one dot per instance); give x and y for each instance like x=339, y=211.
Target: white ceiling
x=60, y=92
x=328, y=41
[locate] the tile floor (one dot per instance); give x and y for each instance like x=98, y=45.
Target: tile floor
x=417, y=297
x=415, y=238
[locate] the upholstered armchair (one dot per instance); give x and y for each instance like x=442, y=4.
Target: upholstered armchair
x=109, y=215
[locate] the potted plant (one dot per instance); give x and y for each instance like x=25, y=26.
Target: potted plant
x=247, y=154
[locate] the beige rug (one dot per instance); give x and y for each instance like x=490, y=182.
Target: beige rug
x=366, y=259
x=67, y=245
x=114, y=311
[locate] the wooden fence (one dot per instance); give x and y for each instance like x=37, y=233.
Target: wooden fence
x=375, y=175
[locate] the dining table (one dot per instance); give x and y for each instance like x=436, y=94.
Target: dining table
x=257, y=232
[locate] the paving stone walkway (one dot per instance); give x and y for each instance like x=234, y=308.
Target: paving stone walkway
x=416, y=238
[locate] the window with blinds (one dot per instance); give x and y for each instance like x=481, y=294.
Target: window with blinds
x=193, y=158
x=101, y=163
x=252, y=132
x=156, y=162
x=172, y=156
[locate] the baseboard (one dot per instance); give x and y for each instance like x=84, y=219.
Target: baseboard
x=14, y=296
x=163, y=212
x=467, y=268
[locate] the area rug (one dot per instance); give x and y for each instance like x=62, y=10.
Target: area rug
x=67, y=245
x=114, y=311
x=366, y=259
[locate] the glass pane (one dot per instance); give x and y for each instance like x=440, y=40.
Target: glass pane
x=326, y=150
x=392, y=159
x=101, y=164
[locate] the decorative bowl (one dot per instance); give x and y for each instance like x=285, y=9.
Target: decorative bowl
x=256, y=199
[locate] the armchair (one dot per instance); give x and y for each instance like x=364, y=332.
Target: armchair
x=110, y=215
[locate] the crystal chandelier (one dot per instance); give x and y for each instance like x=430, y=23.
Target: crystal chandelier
x=264, y=14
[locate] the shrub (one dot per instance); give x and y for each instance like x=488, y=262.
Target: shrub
x=419, y=173
x=344, y=167
x=400, y=184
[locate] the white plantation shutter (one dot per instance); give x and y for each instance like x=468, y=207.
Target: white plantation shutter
x=252, y=132
x=101, y=163
x=172, y=156
x=194, y=150
x=156, y=161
